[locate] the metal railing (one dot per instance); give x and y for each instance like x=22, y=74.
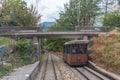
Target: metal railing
x=12, y=30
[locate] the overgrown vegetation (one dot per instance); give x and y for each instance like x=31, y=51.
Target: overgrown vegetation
x=4, y=70
x=16, y=13
x=105, y=51
x=21, y=57
x=24, y=48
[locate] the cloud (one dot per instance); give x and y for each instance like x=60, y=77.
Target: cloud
x=49, y=9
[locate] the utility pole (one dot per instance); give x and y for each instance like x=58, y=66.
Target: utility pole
x=106, y=6
x=78, y=17
x=78, y=14
x=37, y=5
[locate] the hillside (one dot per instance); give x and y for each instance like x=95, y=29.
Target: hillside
x=105, y=51
x=46, y=25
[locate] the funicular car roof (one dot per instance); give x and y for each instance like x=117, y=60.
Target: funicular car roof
x=77, y=42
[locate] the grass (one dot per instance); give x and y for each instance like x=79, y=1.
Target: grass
x=42, y=57
x=4, y=70
x=4, y=41
x=105, y=51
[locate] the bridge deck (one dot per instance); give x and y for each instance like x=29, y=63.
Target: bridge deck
x=51, y=34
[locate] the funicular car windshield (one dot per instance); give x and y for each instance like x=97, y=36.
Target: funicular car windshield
x=76, y=47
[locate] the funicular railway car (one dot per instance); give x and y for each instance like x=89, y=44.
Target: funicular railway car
x=75, y=52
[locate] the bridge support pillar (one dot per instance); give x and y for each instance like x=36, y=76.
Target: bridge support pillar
x=85, y=37
x=37, y=43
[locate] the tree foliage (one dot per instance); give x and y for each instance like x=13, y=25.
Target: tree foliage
x=111, y=19
x=35, y=17
x=25, y=48
x=55, y=44
x=83, y=12
x=16, y=13
x=107, y=5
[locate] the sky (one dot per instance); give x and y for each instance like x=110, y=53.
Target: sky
x=49, y=9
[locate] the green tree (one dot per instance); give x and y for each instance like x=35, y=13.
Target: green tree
x=54, y=44
x=16, y=13
x=79, y=12
x=112, y=19
x=34, y=16
x=84, y=11
x=107, y=5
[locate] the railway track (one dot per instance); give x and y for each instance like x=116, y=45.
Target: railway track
x=49, y=70
x=90, y=74
x=57, y=70
x=53, y=68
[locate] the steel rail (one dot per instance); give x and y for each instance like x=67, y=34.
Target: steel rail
x=53, y=67
x=93, y=73
x=43, y=76
x=82, y=73
x=58, y=67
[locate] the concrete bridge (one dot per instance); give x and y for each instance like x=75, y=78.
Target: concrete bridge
x=34, y=34
x=30, y=32
x=85, y=28
x=50, y=34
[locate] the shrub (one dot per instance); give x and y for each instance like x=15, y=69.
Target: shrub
x=3, y=70
x=25, y=48
x=111, y=19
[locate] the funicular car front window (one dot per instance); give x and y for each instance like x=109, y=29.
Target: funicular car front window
x=84, y=46
x=74, y=49
x=80, y=49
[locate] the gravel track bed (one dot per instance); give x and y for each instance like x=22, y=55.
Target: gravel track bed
x=66, y=72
